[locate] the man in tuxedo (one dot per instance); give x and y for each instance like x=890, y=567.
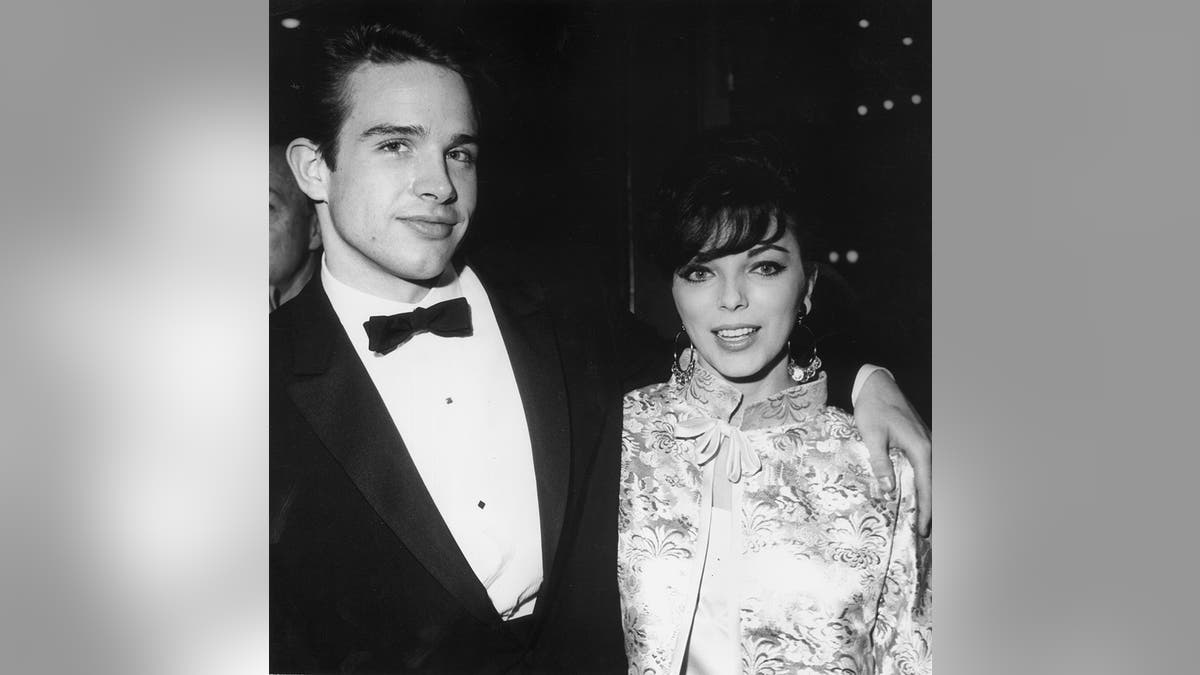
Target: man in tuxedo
x=444, y=433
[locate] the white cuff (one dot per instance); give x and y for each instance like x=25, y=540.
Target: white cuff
x=864, y=373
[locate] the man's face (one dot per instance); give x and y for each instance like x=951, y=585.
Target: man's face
x=404, y=189
x=293, y=229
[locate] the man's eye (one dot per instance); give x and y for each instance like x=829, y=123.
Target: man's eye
x=394, y=146
x=462, y=155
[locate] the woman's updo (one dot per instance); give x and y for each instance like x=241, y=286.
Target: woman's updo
x=722, y=196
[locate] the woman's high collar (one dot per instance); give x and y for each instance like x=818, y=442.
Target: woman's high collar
x=713, y=397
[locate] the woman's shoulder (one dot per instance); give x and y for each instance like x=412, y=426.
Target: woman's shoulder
x=838, y=423
x=837, y=442
x=820, y=422
x=644, y=404
x=654, y=394
x=827, y=437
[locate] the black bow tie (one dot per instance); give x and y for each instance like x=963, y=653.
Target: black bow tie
x=451, y=318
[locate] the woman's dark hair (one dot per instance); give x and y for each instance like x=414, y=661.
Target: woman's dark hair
x=724, y=196
x=376, y=43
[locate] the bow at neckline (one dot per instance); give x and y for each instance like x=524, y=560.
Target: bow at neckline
x=711, y=436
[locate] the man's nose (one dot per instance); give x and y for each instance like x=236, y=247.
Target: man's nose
x=432, y=181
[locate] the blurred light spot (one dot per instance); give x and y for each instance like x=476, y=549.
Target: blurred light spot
x=864, y=23
x=851, y=256
x=887, y=104
x=833, y=256
x=907, y=41
x=862, y=110
x=916, y=99
x=290, y=23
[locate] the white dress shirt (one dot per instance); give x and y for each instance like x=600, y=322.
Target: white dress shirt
x=455, y=402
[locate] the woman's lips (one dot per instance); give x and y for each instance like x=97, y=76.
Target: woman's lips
x=736, y=338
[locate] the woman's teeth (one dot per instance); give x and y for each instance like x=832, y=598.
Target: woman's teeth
x=735, y=333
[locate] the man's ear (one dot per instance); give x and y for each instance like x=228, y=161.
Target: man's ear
x=309, y=168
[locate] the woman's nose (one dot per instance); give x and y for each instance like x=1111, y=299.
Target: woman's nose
x=733, y=296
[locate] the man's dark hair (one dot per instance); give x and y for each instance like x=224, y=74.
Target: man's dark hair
x=722, y=197
x=375, y=43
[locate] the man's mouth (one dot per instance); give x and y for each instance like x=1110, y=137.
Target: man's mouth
x=433, y=228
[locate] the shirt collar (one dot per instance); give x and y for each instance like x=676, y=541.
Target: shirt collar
x=354, y=307
x=713, y=397
x=358, y=306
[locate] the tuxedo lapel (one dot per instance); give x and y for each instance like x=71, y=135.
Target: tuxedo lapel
x=335, y=394
x=529, y=338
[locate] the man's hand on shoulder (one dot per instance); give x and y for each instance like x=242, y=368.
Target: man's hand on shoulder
x=886, y=419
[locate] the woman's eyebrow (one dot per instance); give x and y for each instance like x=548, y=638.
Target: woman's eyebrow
x=757, y=250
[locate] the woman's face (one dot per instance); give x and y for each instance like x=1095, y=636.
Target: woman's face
x=739, y=310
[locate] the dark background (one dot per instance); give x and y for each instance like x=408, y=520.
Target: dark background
x=595, y=98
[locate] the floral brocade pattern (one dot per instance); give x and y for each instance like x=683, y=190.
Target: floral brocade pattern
x=830, y=576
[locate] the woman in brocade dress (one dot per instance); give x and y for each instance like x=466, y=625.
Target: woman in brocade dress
x=752, y=536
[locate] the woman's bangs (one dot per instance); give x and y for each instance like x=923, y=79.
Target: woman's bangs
x=735, y=231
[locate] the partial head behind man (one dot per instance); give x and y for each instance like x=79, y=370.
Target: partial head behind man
x=390, y=159
x=294, y=233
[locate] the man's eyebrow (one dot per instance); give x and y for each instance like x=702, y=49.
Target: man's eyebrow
x=394, y=130
x=757, y=250
x=463, y=139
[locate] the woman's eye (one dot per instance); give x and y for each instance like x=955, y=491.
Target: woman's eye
x=694, y=274
x=768, y=269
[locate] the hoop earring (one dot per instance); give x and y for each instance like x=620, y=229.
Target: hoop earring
x=682, y=374
x=807, y=373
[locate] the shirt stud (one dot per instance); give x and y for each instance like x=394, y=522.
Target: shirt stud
x=449, y=400
x=481, y=504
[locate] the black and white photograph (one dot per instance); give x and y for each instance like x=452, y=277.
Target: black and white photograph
x=600, y=337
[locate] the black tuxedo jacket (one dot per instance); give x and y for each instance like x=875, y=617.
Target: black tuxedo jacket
x=364, y=573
